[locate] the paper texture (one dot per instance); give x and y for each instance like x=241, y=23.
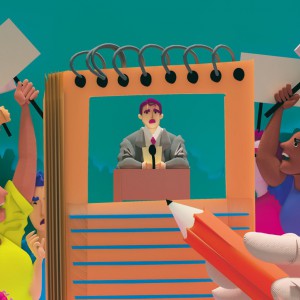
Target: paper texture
x=16, y=52
x=148, y=158
x=271, y=73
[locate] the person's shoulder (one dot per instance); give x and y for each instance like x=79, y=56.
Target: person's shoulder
x=133, y=135
x=173, y=137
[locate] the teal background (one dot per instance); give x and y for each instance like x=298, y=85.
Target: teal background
x=59, y=29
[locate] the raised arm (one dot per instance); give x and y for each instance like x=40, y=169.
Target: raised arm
x=4, y=115
x=25, y=173
x=267, y=161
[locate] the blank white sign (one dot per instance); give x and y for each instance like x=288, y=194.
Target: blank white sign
x=16, y=52
x=272, y=73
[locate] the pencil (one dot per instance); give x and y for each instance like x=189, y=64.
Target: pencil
x=225, y=250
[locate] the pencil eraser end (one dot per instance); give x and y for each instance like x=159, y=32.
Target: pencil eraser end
x=297, y=50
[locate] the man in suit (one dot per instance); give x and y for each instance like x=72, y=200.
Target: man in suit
x=174, y=155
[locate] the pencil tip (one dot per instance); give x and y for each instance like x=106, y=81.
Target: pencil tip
x=168, y=201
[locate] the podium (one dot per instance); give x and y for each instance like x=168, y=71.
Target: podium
x=136, y=184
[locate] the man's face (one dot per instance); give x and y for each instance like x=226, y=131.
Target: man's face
x=3, y=194
x=37, y=217
x=151, y=116
x=290, y=164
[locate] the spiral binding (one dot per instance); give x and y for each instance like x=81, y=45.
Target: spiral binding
x=145, y=78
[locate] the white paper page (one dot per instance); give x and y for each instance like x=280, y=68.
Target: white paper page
x=16, y=52
x=272, y=73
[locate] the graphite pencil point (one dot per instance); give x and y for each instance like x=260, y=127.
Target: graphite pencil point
x=168, y=201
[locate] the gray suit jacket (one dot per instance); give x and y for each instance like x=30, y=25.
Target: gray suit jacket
x=173, y=151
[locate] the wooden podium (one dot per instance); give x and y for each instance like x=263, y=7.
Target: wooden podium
x=132, y=184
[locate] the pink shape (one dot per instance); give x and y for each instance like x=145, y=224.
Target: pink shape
x=267, y=210
x=3, y=296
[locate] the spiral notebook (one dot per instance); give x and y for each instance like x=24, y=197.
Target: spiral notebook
x=131, y=250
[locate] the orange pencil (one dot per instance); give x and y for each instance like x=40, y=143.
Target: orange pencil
x=225, y=250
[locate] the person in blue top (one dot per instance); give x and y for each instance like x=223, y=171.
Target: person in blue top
x=283, y=176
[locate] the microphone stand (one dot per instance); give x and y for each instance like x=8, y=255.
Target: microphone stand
x=152, y=151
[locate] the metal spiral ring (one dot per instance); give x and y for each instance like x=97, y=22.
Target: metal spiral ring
x=141, y=57
x=164, y=53
x=87, y=61
x=188, y=49
x=214, y=54
x=106, y=46
x=129, y=47
x=72, y=62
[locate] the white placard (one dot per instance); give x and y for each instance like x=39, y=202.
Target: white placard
x=16, y=52
x=272, y=73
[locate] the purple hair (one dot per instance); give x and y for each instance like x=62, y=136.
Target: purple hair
x=39, y=180
x=150, y=101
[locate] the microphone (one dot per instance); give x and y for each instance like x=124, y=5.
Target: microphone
x=152, y=151
x=295, y=89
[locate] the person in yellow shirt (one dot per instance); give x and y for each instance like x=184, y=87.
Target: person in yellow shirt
x=15, y=205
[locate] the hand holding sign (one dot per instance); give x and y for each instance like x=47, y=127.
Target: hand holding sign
x=271, y=73
x=25, y=92
x=16, y=53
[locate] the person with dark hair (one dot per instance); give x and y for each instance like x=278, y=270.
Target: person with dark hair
x=174, y=155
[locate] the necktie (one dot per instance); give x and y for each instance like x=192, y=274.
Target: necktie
x=153, y=141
